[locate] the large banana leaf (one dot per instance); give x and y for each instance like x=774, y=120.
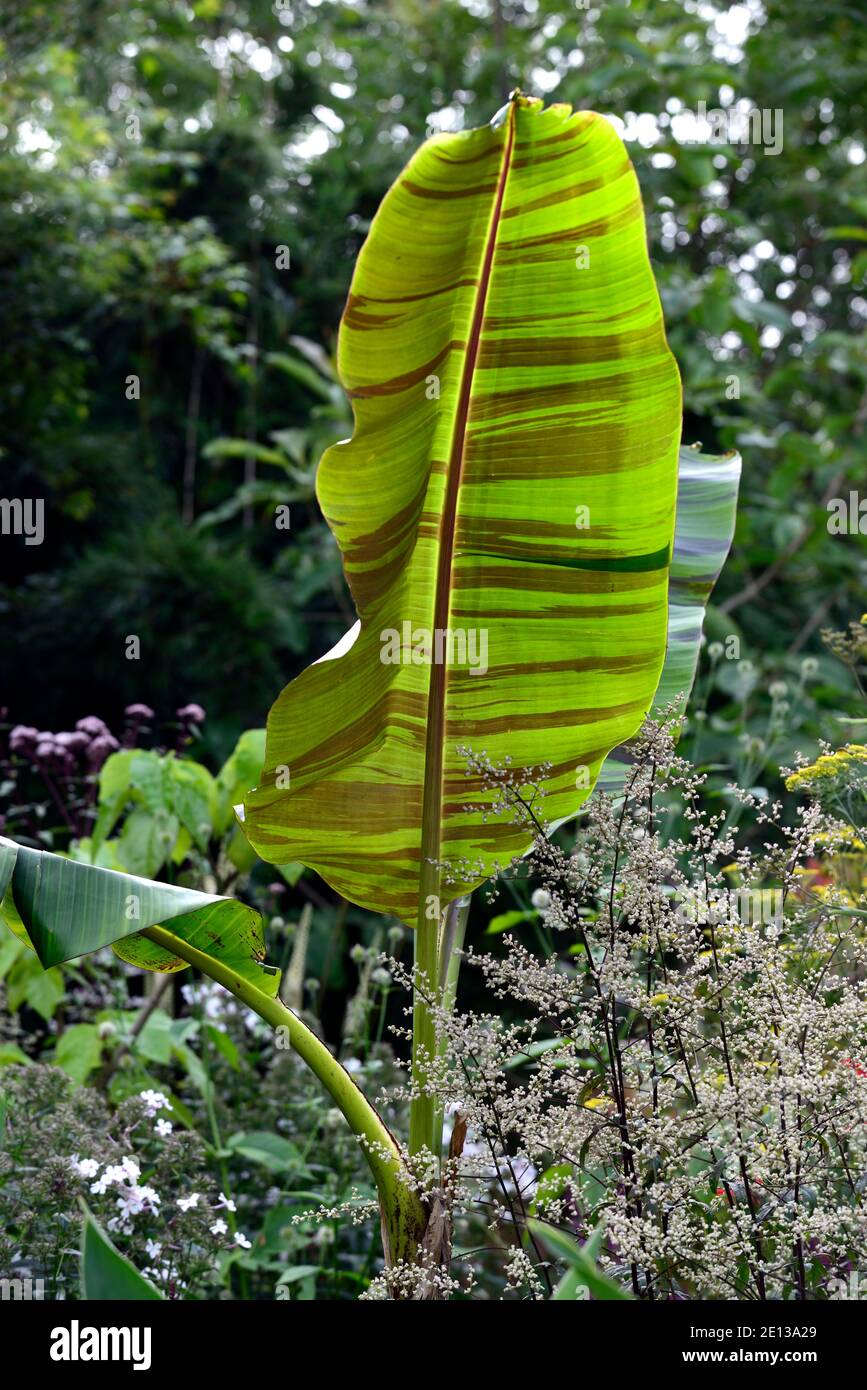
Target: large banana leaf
x=707, y=498
x=511, y=478
x=68, y=909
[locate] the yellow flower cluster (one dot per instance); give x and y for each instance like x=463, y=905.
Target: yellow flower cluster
x=829, y=765
x=843, y=839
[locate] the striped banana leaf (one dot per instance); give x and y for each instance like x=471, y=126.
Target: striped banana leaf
x=505, y=512
x=64, y=909
x=707, y=499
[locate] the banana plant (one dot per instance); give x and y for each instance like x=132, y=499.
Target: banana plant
x=505, y=510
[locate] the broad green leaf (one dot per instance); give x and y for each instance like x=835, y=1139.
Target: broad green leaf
x=571, y=1287
x=192, y=1066
x=116, y=773
x=706, y=510
x=28, y=983
x=70, y=909
x=551, y=1185
x=224, y=1044
x=154, y=1042
x=182, y=846
x=194, y=799
x=505, y=921
x=510, y=481
x=240, y=852
x=79, y=1050
x=238, y=774
x=10, y=950
x=271, y=1150
x=291, y=872
x=106, y=1274
x=146, y=841
x=151, y=777
x=167, y=792
x=581, y=1260
x=105, y=855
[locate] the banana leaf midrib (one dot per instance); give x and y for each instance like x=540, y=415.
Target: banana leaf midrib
x=436, y=705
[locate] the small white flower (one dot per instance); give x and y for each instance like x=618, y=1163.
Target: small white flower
x=84, y=1167
x=226, y=1202
x=115, y=1174
x=219, y=1227
x=154, y=1101
x=163, y=1128
x=541, y=899
x=187, y=1203
x=241, y=1239
x=153, y=1248
x=134, y=1200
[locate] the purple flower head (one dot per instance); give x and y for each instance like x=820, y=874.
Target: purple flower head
x=23, y=739
x=100, y=749
x=139, y=712
x=74, y=742
x=92, y=726
x=191, y=714
x=51, y=754
x=276, y=888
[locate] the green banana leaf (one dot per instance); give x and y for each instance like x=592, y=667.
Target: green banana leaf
x=511, y=480
x=65, y=909
x=106, y=1274
x=707, y=499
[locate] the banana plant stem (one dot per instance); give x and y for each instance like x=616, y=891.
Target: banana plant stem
x=423, y=1105
x=402, y=1210
x=452, y=945
x=449, y=967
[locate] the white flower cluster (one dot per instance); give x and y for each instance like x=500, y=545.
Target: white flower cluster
x=682, y=1074
x=133, y=1197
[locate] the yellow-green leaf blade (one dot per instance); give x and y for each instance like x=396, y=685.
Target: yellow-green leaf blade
x=511, y=481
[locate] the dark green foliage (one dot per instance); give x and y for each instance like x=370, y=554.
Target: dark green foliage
x=198, y=607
